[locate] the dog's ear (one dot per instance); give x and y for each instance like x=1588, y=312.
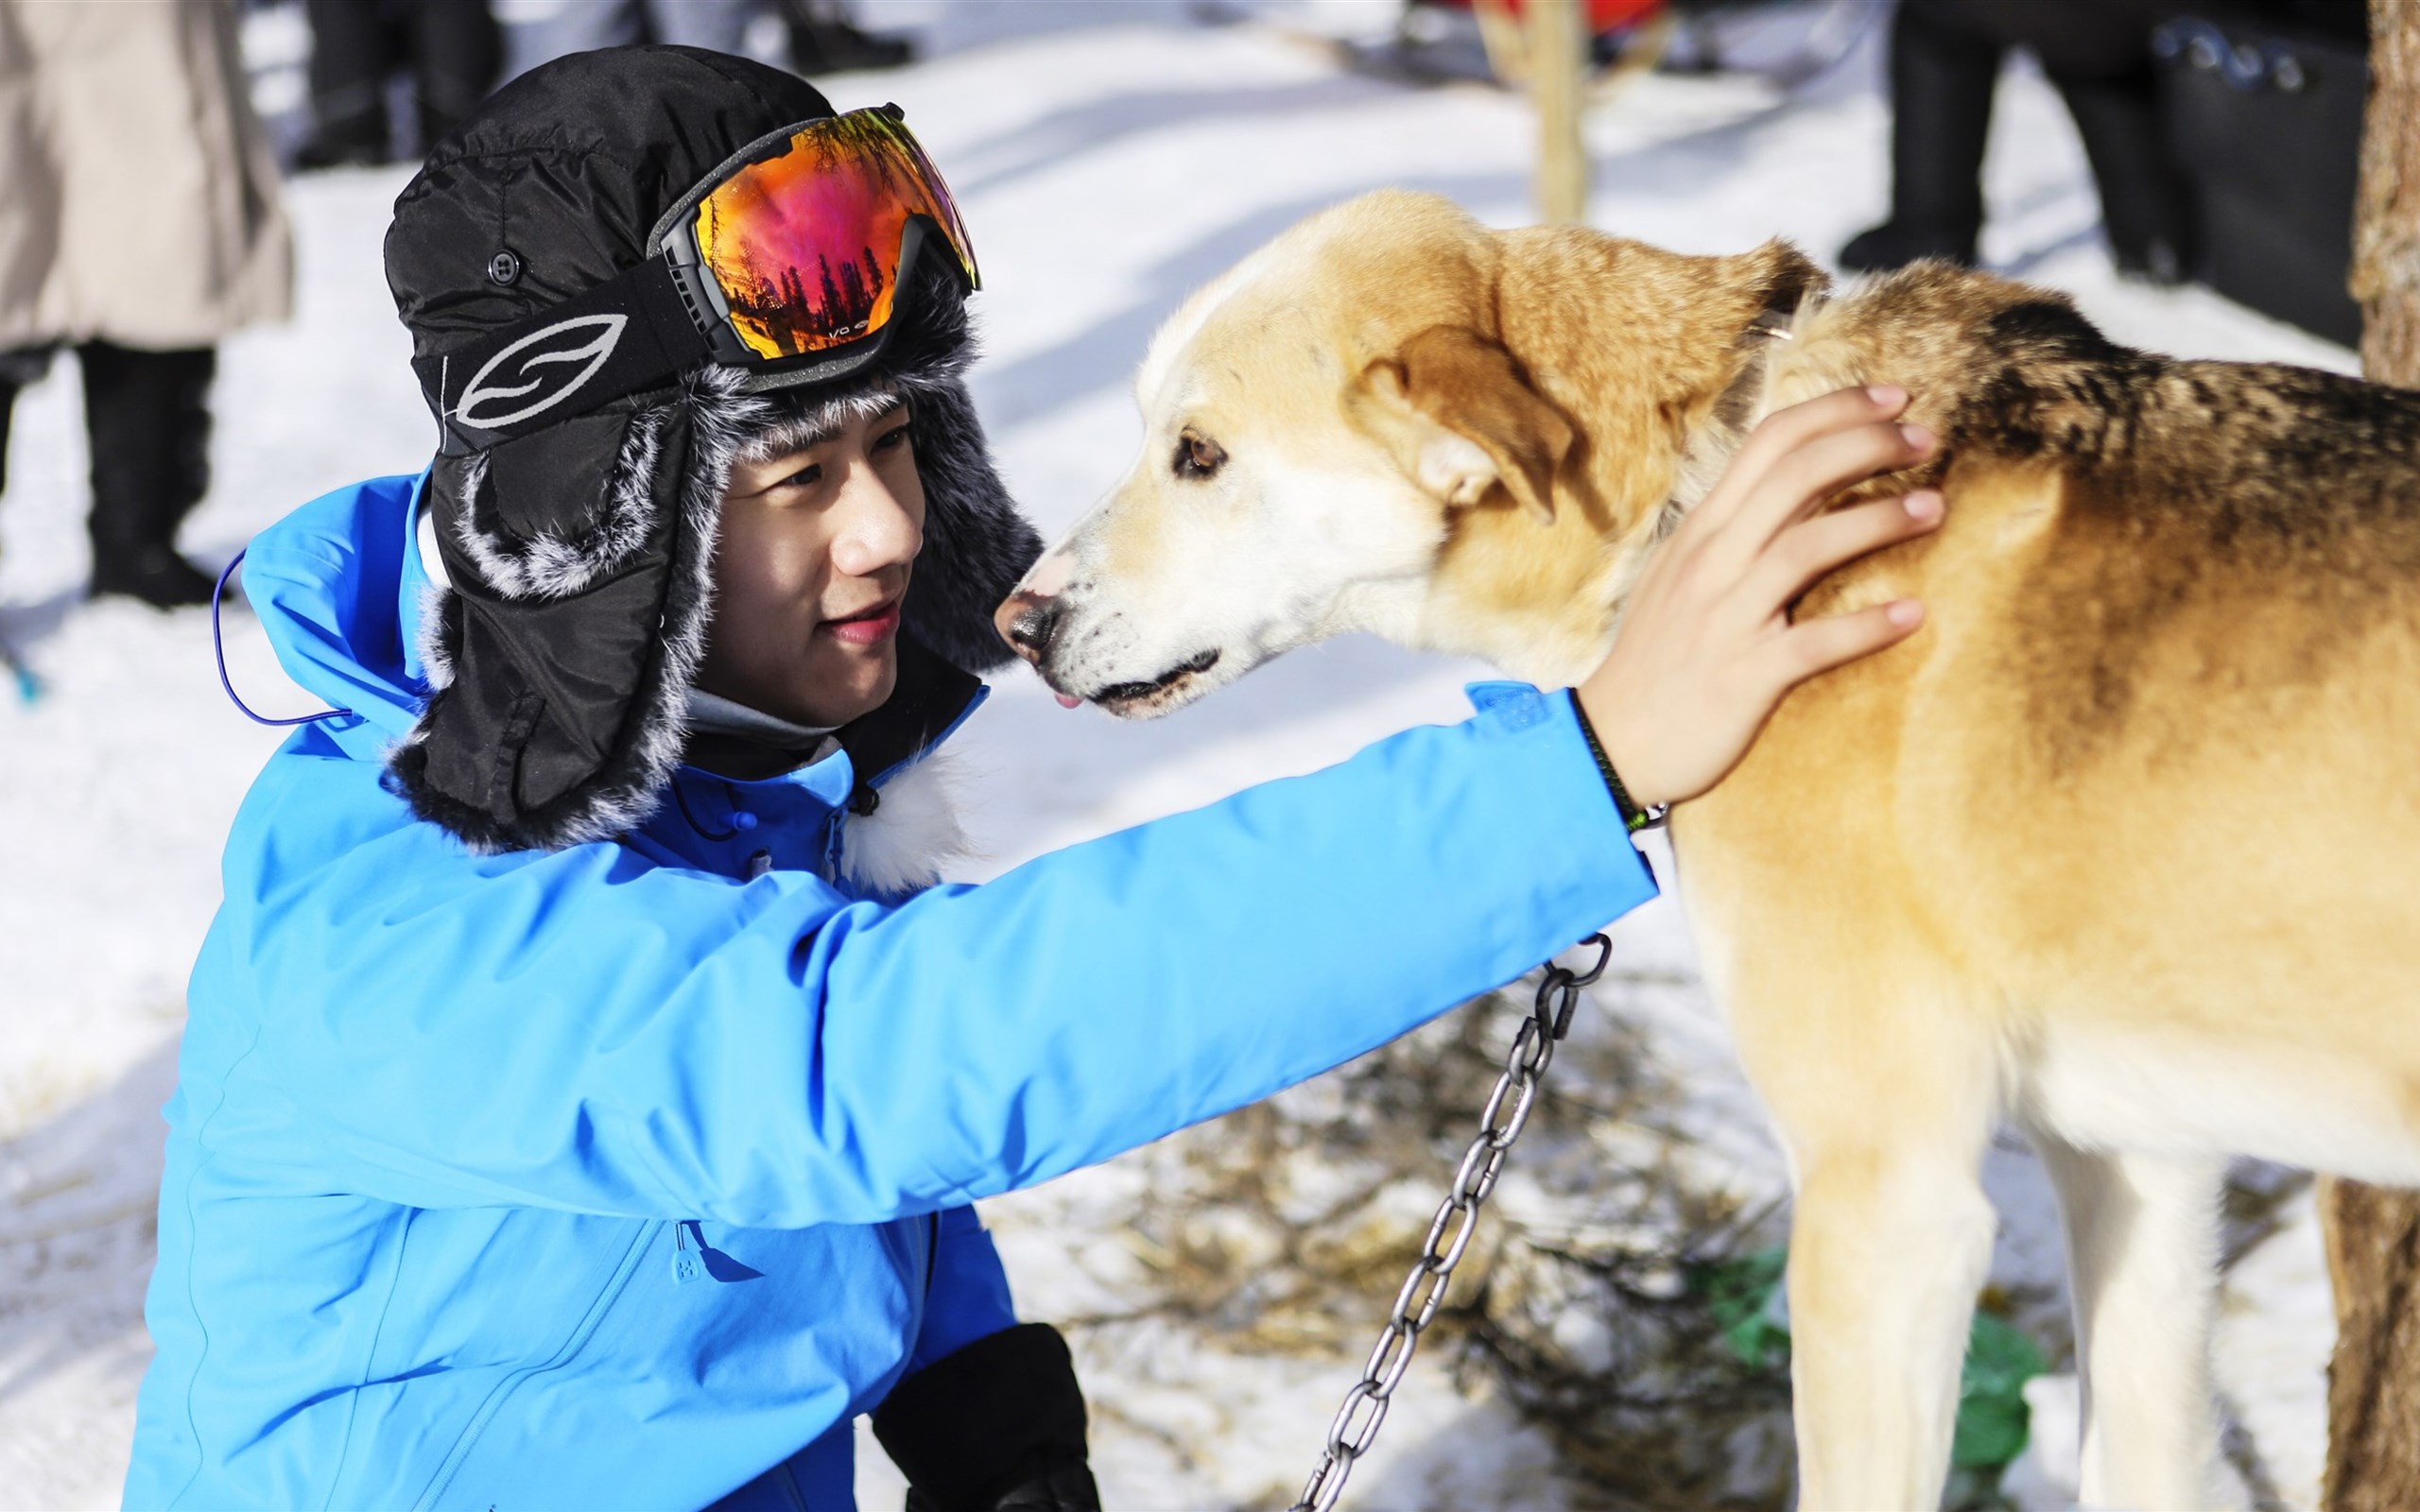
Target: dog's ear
x=1461, y=418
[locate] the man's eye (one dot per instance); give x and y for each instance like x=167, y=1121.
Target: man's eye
x=1198, y=456
x=805, y=477
x=895, y=436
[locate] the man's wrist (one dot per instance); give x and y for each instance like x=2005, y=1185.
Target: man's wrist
x=1635, y=815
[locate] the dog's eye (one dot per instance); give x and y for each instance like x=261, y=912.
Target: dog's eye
x=1198, y=456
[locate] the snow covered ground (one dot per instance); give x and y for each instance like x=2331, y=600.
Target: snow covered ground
x=1109, y=157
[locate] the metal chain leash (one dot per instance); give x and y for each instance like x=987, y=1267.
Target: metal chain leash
x=1356, y=1427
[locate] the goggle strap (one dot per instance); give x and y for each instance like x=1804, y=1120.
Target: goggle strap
x=635, y=332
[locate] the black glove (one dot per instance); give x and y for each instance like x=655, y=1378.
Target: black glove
x=996, y=1427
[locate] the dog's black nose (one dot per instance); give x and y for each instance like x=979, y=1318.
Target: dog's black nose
x=1027, y=621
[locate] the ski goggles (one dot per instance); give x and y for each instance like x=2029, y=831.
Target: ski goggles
x=786, y=262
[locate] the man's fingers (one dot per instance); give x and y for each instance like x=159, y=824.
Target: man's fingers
x=1811, y=548
x=1819, y=646
x=1785, y=430
x=1797, y=485
x=1810, y=474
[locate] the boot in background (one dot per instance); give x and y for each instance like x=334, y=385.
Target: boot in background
x=452, y=50
x=2146, y=199
x=1942, y=77
x=1945, y=64
x=352, y=50
x=823, y=40
x=148, y=416
x=457, y=49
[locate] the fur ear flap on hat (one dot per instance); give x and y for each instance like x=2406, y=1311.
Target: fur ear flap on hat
x=579, y=563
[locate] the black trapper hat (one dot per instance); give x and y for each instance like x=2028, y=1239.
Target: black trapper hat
x=578, y=556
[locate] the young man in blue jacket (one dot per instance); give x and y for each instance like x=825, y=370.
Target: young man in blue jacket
x=585, y=1085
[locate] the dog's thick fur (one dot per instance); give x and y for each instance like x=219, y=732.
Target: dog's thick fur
x=2121, y=846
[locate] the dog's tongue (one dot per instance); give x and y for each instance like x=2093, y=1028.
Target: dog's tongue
x=1065, y=702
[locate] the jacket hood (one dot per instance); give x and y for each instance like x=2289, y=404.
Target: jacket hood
x=338, y=586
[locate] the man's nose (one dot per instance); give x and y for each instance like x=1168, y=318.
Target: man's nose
x=1028, y=621
x=876, y=530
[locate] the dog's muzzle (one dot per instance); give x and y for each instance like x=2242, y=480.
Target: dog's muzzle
x=1028, y=622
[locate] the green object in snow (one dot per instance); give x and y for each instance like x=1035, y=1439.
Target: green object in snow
x=1744, y=1296
x=1993, y=1420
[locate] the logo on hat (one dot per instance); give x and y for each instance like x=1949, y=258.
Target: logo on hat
x=584, y=358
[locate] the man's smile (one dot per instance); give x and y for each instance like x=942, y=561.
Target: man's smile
x=869, y=627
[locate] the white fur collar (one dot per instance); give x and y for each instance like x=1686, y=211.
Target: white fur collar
x=913, y=832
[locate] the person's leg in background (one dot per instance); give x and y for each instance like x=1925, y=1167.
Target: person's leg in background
x=352, y=50
x=2146, y=200
x=149, y=417
x=825, y=40
x=2098, y=54
x=1945, y=55
x=540, y=32
x=719, y=26
x=456, y=51
x=1941, y=77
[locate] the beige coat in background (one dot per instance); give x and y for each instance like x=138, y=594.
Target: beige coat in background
x=138, y=196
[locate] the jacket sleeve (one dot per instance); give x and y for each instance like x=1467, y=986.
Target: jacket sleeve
x=587, y=1030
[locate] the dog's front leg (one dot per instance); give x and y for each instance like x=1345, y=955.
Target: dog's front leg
x=2142, y=1262
x=1891, y=1243
x=1886, y=1101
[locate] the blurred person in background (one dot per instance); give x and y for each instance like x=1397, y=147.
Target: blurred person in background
x=1945, y=58
x=540, y=32
x=823, y=35
x=450, y=48
x=825, y=39
x=139, y=224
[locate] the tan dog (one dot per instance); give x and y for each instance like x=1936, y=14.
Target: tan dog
x=2122, y=846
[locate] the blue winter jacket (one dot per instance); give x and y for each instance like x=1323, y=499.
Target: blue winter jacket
x=616, y=1178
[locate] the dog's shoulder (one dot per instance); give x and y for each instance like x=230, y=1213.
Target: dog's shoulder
x=2238, y=453
x=2255, y=458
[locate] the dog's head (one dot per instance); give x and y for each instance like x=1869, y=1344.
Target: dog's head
x=1339, y=436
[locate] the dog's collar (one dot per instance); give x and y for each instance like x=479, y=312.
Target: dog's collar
x=1727, y=424
x=1772, y=322
x=1754, y=341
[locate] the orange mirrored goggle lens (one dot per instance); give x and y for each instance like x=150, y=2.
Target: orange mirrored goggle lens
x=805, y=247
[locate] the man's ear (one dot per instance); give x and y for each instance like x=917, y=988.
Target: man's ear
x=1463, y=418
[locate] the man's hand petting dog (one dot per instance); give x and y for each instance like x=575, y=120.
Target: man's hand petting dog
x=1707, y=649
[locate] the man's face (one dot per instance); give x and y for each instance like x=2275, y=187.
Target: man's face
x=810, y=567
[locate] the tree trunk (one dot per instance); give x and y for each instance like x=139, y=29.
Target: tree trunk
x=1505, y=36
x=2373, y=1380
x=2373, y=1234
x=2386, y=219
x=1558, y=82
